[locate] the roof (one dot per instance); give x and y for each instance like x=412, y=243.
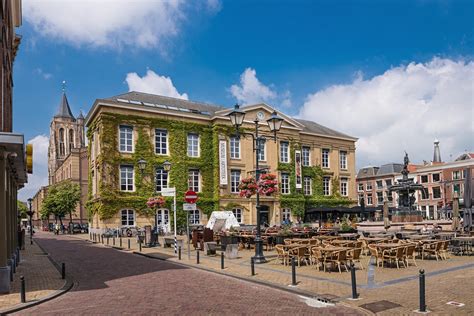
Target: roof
x=466, y=156
x=367, y=172
x=313, y=127
x=157, y=100
x=64, y=109
x=390, y=168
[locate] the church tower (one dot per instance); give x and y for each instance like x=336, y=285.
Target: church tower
x=65, y=133
x=437, y=152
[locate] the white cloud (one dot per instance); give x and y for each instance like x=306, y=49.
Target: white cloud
x=39, y=177
x=107, y=23
x=405, y=108
x=251, y=90
x=153, y=83
x=45, y=75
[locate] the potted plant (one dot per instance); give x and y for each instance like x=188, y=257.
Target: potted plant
x=283, y=234
x=229, y=238
x=248, y=187
x=156, y=202
x=267, y=184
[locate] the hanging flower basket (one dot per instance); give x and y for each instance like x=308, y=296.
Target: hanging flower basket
x=268, y=184
x=248, y=187
x=156, y=202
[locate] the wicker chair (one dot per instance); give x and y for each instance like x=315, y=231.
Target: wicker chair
x=282, y=255
x=410, y=253
x=374, y=253
x=338, y=257
x=300, y=254
x=353, y=256
x=395, y=254
x=317, y=257
x=443, y=251
x=432, y=249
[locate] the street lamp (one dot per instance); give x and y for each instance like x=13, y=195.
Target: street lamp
x=167, y=168
x=274, y=123
x=30, y=214
x=141, y=165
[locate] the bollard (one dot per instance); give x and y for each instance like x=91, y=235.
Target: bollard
x=293, y=272
x=353, y=281
x=18, y=255
x=23, y=290
x=120, y=241
x=197, y=256
x=179, y=253
x=63, y=271
x=140, y=244
x=422, y=291
x=252, y=265
x=107, y=240
x=11, y=271
x=222, y=260
x=113, y=241
x=128, y=243
x=102, y=237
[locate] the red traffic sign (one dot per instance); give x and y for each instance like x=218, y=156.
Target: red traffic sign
x=190, y=196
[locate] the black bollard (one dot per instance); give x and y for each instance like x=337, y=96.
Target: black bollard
x=113, y=241
x=120, y=241
x=18, y=255
x=422, y=291
x=63, y=271
x=107, y=240
x=353, y=281
x=293, y=272
x=179, y=253
x=252, y=265
x=102, y=237
x=128, y=243
x=222, y=260
x=197, y=256
x=140, y=244
x=11, y=271
x=23, y=290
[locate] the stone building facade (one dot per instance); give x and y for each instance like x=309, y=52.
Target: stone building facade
x=207, y=157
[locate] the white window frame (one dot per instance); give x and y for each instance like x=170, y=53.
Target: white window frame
x=162, y=180
x=440, y=193
x=304, y=156
x=378, y=201
x=190, y=150
x=238, y=214
x=307, y=185
x=459, y=173
x=127, y=213
x=284, y=152
x=369, y=195
x=192, y=173
x=326, y=186
x=127, y=179
x=343, y=160
x=344, y=187
x=368, y=186
x=359, y=189
x=261, y=153
x=285, y=214
x=325, y=153
x=193, y=215
x=160, y=131
x=377, y=184
x=234, y=182
x=125, y=150
x=285, y=183
x=234, y=146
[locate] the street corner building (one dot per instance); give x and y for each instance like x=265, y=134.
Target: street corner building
x=315, y=165
x=13, y=173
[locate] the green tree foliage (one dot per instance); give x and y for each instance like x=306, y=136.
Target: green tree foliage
x=61, y=200
x=22, y=209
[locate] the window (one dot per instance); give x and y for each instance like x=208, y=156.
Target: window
x=343, y=160
x=193, y=180
x=457, y=188
x=307, y=186
x=261, y=149
x=325, y=158
x=284, y=155
x=369, y=199
x=163, y=217
x=368, y=186
x=457, y=175
x=424, y=178
x=286, y=215
x=285, y=183
x=436, y=177
x=305, y=153
x=161, y=179
x=238, y=214
x=360, y=187
x=388, y=182
x=379, y=184
x=436, y=193
x=424, y=194
x=71, y=139
x=128, y=217
x=234, y=181
x=126, y=139
x=126, y=178
x=193, y=145
x=361, y=198
x=94, y=187
x=344, y=186
x=326, y=186
x=194, y=217
x=234, y=148
x=161, y=141
x=379, y=198
x=389, y=196
x=61, y=142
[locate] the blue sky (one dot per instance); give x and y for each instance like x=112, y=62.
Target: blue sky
x=307, y=58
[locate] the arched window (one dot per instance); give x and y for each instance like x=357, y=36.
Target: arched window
x=71, y=139
x=61, y=142
x=128, y=217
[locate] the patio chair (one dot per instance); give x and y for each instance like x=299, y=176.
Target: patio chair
x=300, y=253
x=431, y=249
x=395, y=254
x=410, y=253
x=374, y=253
x=288, y=241
x=282, y=255
x=455, y=246
x=338, y=257
x=316, y=257
x=353, y=256
x=443, y=251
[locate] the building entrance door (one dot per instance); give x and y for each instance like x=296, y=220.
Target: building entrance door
x=163, y=220
x=264, y=215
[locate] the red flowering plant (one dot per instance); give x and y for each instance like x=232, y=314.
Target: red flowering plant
x=156, y=202
x=248, y=187
x=268, y=184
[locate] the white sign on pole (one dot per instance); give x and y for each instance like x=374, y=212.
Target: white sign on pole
x=189, y=206
x=223, y=162
x=168, y=191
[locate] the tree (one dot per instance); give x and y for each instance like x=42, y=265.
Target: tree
x=61, y=200
x=22, y=209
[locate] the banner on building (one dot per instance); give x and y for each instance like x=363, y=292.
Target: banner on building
x=222, y=162
x=299, y=179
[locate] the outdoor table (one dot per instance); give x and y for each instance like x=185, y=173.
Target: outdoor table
x=340, y=242
x=418, y=237
x=372, y=240
x=389, y=245
x=349, y=235
x=326, y=237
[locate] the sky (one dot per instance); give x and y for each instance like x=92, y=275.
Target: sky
x=395, y=74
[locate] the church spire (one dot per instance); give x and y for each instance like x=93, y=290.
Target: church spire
x=64, y=109
x=437, y=153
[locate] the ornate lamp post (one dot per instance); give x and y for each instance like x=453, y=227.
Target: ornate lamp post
x=274, y=123
x=30, y=214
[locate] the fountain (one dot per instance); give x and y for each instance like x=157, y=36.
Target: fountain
x=406, y=188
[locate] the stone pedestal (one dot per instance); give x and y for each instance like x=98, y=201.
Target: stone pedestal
x=4, y=280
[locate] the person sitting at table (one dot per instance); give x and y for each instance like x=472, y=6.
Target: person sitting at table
x=424, y=229
x=437, y=228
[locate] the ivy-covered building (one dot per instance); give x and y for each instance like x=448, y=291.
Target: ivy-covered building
x=207, y=157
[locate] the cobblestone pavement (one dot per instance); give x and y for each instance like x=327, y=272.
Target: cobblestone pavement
x=114, y=282
x=41, y=277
